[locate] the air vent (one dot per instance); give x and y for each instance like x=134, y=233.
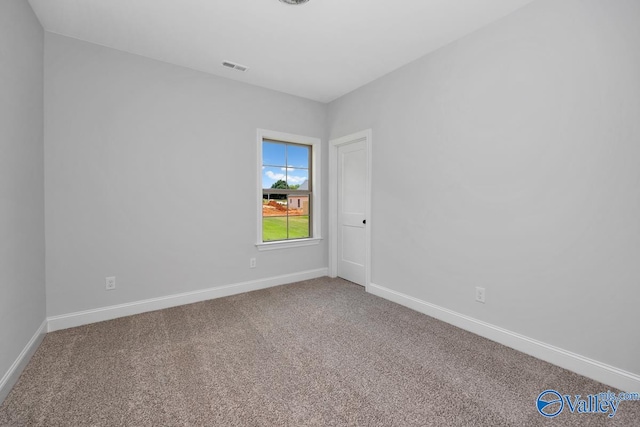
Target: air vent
x=234, y=66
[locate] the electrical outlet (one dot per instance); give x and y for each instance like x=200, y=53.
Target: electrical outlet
x=480, y=294
x=252, y=263
x=110, y=283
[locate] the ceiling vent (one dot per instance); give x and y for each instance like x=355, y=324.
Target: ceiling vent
x=234, y=66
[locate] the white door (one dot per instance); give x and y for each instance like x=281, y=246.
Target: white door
x=352, y=180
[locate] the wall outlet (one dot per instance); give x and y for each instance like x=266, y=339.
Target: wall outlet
x=480, y=294
x=110, y=283
x=252, y=263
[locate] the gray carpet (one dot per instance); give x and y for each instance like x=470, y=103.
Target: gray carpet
x=321, y=352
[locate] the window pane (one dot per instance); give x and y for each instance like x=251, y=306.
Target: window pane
x=298, y=178
x=273, y=154
x=298, y=156
x=274, y=228
x=274, y=177
x=298, y=205
x=298, y=227
x=274, y=205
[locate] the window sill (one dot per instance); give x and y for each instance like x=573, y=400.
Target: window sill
x=286, y=244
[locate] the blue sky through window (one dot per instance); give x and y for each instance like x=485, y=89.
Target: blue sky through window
x=288, y=162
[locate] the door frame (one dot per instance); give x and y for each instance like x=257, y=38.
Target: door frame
x=366, y=136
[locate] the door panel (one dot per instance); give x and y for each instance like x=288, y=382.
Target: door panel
x=351, y=250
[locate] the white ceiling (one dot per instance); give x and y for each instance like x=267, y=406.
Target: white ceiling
x=320, y=50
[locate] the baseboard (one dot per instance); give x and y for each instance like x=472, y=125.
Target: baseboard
x=606, y=374
x=86, y=317
x=11, y=377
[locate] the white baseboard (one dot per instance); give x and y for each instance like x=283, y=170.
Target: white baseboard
x=11, y=376
x=80, y=318
x=606, y=374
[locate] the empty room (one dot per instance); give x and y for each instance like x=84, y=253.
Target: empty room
x=319, y=212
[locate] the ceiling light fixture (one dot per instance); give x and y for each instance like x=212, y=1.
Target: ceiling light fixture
x=294, y=2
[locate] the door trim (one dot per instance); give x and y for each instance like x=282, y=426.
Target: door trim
x=365, y=135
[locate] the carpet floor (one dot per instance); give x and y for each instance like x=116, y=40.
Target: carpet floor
x=321, y=352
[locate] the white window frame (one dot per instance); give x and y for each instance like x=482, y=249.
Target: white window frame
x=316, y=190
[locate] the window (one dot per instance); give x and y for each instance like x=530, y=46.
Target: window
x=288, y=211
x=286, y=181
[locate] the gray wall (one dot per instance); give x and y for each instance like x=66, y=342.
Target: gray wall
x=22, y=281
x=510, y=160
x=151, y=176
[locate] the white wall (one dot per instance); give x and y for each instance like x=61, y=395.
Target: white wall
x=519, y=149
x=22, y=281
x=150, y=174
